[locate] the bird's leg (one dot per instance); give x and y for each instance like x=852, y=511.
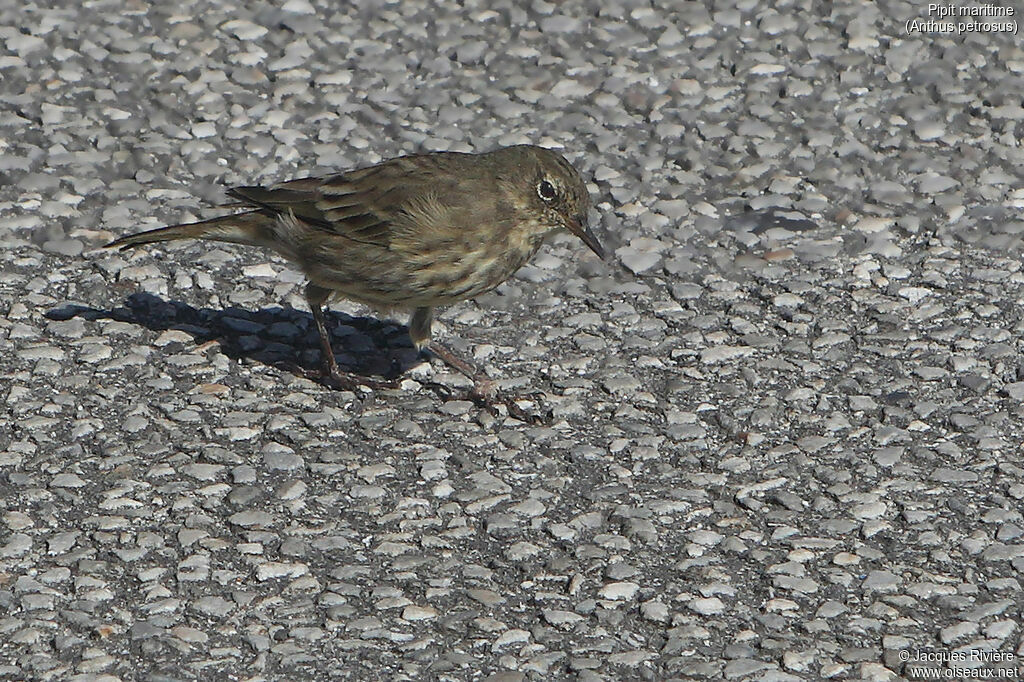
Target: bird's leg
x=482, y=384
x=316, y=297
x=419, y=332
x=484, y=391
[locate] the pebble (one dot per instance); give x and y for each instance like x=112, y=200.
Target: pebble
x=707, y=606
x=416, y=613
x=637, y=259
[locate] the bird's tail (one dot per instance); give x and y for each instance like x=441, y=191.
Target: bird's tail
x=254, y=228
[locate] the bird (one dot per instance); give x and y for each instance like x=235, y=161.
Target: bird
x=410, y=233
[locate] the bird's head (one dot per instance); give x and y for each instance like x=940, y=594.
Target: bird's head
x=554, y=191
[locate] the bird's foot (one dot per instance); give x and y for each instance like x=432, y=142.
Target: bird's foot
x=336, y=379
x=347, y=381
x=485, y=394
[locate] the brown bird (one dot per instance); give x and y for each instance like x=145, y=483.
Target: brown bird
x=411, y=233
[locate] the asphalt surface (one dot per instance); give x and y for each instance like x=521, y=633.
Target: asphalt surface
x=784, y=423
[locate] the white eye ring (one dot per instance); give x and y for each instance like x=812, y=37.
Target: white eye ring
x=546, y=191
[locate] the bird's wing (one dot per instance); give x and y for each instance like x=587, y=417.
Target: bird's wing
x=365, y=205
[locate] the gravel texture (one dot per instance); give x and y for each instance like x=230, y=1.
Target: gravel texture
x=786, y=419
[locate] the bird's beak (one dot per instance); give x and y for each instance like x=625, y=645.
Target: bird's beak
x=579, y=228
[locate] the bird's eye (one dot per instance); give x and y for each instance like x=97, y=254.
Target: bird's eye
x=546, y=191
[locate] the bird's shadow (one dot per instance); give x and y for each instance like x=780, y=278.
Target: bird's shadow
x=284, y=338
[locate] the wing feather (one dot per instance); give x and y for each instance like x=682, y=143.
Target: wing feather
x=372, y=206
x=335, y=208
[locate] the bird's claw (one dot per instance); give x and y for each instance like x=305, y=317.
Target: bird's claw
x=334, y=378
x=485, y=394
x=346, y=381
x=533, y=418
